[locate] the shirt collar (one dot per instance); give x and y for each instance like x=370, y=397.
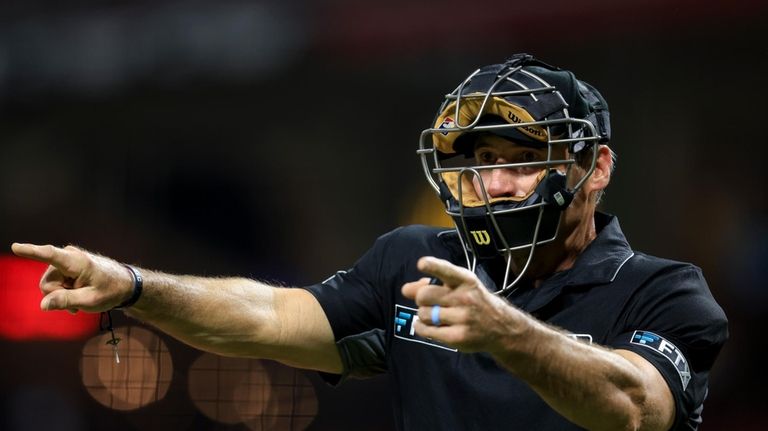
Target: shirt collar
x=598, y=264
x=603, y=258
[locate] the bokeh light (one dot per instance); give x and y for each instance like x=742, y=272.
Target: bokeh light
x=293, y=404
x=216, y=387
x=142, y=376
x=262, y=395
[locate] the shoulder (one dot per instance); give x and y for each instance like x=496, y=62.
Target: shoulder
x=655, y=269
x=667, y=275
x=677, y=295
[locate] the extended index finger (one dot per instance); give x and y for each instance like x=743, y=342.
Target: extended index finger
x=69, y=260
x=450, y=274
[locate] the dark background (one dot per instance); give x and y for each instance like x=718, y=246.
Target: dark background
x=277, y=140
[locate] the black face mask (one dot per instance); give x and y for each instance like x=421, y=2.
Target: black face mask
x=536, y=103
x=511, y=225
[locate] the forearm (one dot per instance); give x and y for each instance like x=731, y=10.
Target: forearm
x=239, y=317
x=229, y=316
x=593, y=387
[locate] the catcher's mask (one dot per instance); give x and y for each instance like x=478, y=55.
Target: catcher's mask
x=533, y=105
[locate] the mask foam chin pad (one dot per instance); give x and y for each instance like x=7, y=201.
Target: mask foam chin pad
x=553, y=190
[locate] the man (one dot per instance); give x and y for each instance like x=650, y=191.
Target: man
x=534, y=313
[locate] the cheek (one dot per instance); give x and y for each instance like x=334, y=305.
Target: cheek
x=514, y=181
x=476, y=183
x=528, y=182
x=524, y=181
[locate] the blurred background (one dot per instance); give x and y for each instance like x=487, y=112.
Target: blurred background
x=276, y=140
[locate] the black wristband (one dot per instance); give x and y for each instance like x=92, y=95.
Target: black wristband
x=138, y=285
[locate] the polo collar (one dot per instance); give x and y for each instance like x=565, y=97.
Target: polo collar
x=603, y=258
x=598, y=264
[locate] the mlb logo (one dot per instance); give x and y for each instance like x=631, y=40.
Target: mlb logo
x=447, y=124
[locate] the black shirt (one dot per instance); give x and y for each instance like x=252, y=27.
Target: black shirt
x=612, y=296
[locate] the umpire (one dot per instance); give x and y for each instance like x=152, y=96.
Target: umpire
x=534, y=313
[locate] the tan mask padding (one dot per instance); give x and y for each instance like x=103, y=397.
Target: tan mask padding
x=470, y=109
x=470, y=198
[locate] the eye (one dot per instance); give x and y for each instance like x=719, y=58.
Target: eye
x=528, y=156
x=486, y=157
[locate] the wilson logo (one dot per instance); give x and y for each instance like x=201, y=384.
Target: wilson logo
x=534, y=132
x=481, y=237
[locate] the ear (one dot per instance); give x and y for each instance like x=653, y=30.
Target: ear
x=603, y=167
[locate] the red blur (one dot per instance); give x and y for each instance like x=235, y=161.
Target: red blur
x=21, y=318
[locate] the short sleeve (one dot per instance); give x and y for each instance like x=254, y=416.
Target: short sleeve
x=675, y=324
x=353, y=299
x=359, y=302
x=354, y=303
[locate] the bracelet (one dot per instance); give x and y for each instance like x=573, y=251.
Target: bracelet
x=138, y=284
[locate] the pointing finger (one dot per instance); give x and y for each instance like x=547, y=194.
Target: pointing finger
x=69, y=260
x=450, y=274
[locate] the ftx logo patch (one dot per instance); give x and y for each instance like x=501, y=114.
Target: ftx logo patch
x=667, y=349
x=404, y=330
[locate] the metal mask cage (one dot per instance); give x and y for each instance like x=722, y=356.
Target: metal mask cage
x=575, y=133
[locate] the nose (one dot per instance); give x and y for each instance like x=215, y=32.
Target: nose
x=500, y=183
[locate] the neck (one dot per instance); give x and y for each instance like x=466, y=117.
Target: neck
x=575, y=243
x=561, y=254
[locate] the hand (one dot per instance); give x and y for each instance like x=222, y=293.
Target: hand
x=77, y=279
x=471, y=318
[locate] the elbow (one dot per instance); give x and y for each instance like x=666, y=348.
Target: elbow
x=638, y=407
x=628, y=412
x=640, y=412
x=643, y=398
x=631, y=405
x=634, y=420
